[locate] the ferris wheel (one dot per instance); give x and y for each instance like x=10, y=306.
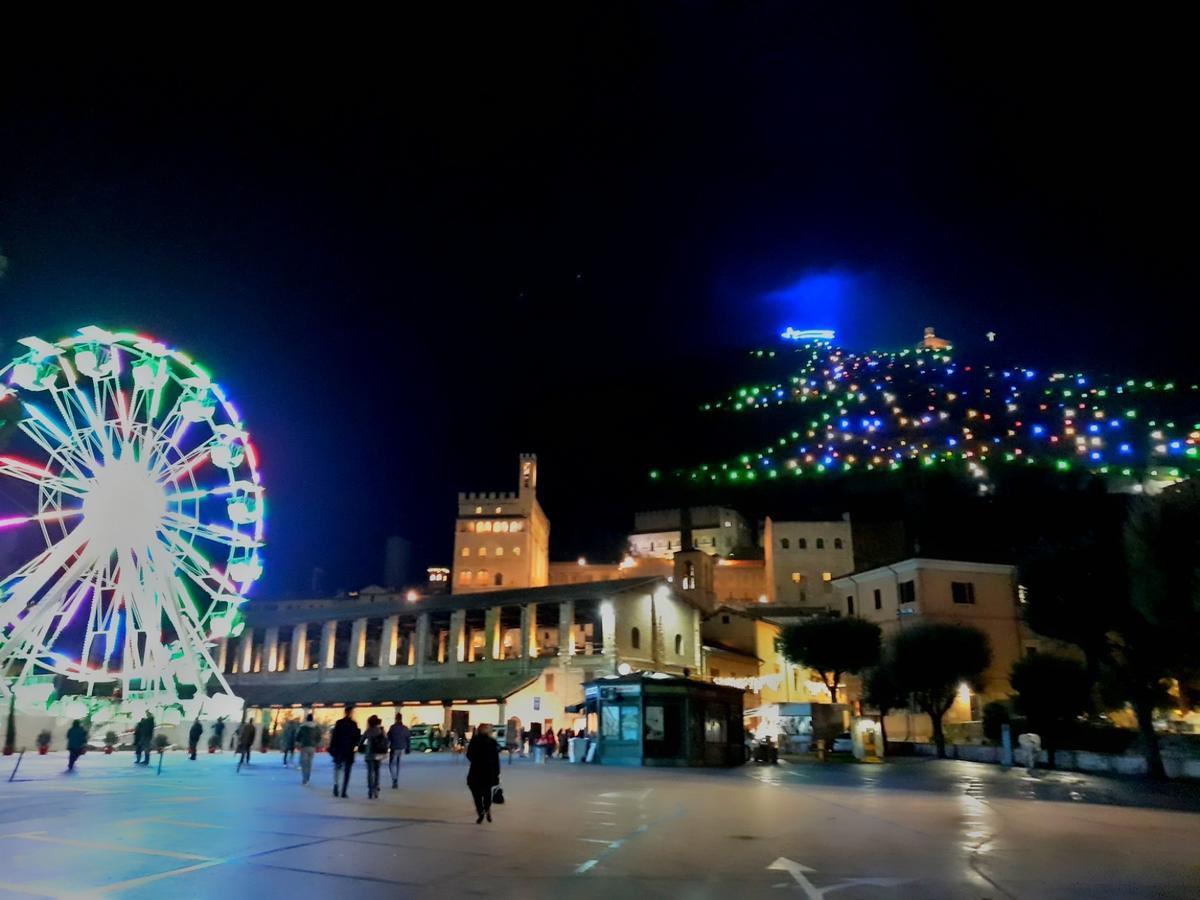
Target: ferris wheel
x=131, y=517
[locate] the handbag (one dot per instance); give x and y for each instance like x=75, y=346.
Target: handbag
x=498, y=795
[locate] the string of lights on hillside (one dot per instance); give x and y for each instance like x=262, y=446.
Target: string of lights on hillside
x=884, y=410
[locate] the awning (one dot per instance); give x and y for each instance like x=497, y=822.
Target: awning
x=420, y=690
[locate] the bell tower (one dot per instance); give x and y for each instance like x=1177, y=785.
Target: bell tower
x=695, y=570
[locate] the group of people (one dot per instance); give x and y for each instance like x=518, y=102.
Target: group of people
x=346, y=739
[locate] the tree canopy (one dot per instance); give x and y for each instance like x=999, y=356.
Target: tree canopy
x=832, y=646
x=932, y=660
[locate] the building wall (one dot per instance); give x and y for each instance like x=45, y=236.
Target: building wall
x=801, y=556
x=715, y=529
x=658, y=617
x=995, y=611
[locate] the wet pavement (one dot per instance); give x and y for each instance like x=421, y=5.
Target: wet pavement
x=910, y=828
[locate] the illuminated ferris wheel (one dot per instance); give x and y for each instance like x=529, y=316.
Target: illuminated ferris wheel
x=131, y=518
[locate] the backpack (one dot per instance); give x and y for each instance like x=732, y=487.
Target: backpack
x=379, y=744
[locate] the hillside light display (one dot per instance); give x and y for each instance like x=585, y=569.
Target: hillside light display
x=836, y=411
x=131, y=520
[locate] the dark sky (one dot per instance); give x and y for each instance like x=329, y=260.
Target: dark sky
x=411, y=248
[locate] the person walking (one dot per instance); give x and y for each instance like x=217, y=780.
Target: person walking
x=245, y=743
x=374, y=747
x=562, y=743
x=219, y=733
x=397, y=737
x=143, y=735
x=289, y=739
x=343, y=741
x=308, y=736
x=483, y=753
x=194, y=738
x=76, y=743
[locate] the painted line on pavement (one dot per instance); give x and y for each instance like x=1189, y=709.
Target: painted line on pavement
x=145, y=879
x=105, y=845
x=584, y=867
x=30, y=889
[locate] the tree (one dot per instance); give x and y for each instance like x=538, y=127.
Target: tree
x=931, y=661
x=832, y=647
x=1126, y=590
x=1052, y=692
x=881, y=691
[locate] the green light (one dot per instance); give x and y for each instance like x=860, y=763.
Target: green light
x=1062, y=465
x=654, y=473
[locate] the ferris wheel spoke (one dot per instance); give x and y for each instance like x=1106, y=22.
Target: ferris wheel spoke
x=37, y=431
x=169, y=471
x=28, y=632
x=35, y=474
x=41, y=570
x=200, y=570
x=228, y=536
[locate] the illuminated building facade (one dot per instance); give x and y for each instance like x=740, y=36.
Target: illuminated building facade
x=502, y=540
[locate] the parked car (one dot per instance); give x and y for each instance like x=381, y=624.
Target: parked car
x=842, y=743
x=425, y=738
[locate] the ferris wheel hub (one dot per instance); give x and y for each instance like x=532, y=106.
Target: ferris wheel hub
x=124, y=505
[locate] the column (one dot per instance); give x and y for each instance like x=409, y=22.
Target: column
x=528, y=634
x=221, y=654
x=388, y=647
x=358, y=644
x=328, y=639
x=697, y=646
x=492, y=646
x=270, y=649
x=422, y=641
x=566, y=623
x=299, y=647
x=246, y=650
x=456, y=645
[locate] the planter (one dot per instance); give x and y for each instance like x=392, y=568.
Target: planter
x=212, y=749
x=108, y=751
x=8, y=751
x=42, y=751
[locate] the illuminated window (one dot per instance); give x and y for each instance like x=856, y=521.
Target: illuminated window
x=516, y=526
x=689, y=577
x=820, y=543
x=827, y=577
x=483, y=551
x=500, y=526
x=635, y=639
x=499, y=551
x=837, y=543
x=785, y=544
x=478, y=510
x=802, y=543
x=679, y=645
x=483, y=526
x=499, y=509
x=466, y=551
x=481, y=577
x=465, y=576
x=516, y=551
x=796, y=577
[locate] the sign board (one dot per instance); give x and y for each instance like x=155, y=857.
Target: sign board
x=537, y=703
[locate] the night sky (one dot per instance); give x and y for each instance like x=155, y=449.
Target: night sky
x=412, y=248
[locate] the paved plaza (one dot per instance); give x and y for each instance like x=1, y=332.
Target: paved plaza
x=912, y=828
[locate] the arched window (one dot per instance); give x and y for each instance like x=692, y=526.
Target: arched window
x=679, y=645
x=802, y=544
x=635, y=639
x=820, y=543
x=499, y=551
x=689, y=577
x=837, y=543
x=481, y=577
x=499, y=578
x=483, y=551
x=785, y=544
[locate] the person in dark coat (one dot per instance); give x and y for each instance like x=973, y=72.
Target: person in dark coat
x=483, y=753
x=343, y=741
x=76, y=743
x=245, y=743
x=194, y=738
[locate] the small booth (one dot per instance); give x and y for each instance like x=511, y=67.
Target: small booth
x=663, y=720
x=796, y=727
